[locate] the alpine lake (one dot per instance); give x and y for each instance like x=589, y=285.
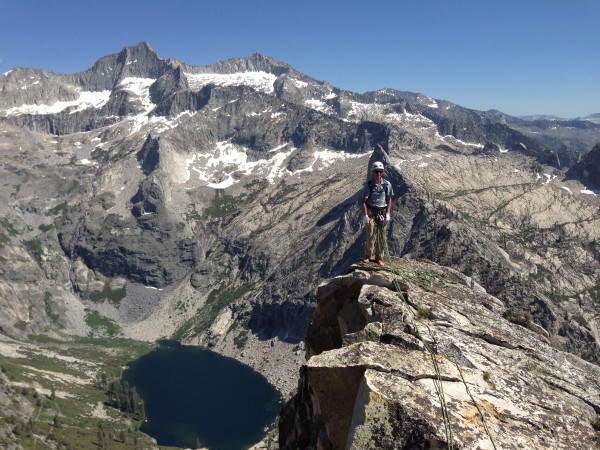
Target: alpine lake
x=195, y=396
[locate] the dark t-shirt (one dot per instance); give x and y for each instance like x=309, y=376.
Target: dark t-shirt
x=377, y=194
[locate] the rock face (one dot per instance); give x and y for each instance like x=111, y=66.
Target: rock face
x=417, y=355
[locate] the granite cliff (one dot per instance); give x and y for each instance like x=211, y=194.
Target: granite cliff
x=417, y=355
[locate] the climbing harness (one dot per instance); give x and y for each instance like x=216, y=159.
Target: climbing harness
x=379, y=218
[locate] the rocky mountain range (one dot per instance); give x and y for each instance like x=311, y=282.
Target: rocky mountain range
x=148, y=199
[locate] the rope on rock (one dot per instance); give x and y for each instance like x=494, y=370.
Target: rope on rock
x=483, y=421
x=439, y=388
x=381, y=237
x=437, y=382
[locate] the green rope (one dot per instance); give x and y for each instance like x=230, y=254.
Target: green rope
x=381, y=237
x=437, y=382
x=483, y=421
x=439, y=388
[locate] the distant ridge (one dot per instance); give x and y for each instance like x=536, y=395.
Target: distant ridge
x=532, y=118
x=541, y=117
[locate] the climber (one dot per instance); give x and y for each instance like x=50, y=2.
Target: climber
x=376, y=205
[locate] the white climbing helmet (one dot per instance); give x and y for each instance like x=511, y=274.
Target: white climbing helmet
x=377, y=166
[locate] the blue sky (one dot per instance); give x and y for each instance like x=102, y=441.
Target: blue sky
x=519, y=56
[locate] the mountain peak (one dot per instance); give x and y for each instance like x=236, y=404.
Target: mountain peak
x=141, y=53
x=143, y=49
x=260, y=58
x=139, y=61
x=257, y=62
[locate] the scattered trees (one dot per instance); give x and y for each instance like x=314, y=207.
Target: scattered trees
x=126, y=399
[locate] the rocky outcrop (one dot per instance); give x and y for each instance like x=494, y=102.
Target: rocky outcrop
x=419, y=356
x=144, y=247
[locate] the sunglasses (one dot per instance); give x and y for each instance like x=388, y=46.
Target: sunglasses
x=378, y=171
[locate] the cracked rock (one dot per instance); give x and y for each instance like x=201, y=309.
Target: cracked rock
x=385, y=374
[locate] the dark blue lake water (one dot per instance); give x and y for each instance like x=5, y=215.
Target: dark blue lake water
x=190, y=393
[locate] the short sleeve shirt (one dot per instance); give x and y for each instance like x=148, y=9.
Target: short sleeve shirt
x=377, y=194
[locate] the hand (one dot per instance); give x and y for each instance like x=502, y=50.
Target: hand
x=366, y=219
x=387, y=217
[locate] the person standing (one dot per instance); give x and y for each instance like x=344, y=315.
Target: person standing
x=376, y=205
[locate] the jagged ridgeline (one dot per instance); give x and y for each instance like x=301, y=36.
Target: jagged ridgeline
x=147, y=198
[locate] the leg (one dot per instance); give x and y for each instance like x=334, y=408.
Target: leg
x=370, y=239
x=380, y=244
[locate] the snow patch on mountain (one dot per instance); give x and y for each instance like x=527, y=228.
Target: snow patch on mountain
x=261, y=81
x=85, y=100
x=411, y=120
x=217, y=168
x=455, y=140
x=140, y=87
x=155, y=124
x=298, y=83
x=369, y=111
x=359, y=110
x=318, y=105
x=323, y=158
x=224, y=165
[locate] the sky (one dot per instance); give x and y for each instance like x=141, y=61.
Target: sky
x=521, y=57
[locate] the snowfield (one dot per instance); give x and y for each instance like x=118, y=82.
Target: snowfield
x=223, y=166
x=261, y=81
x=85, y=100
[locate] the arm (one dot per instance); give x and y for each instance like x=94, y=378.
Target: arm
x=388, y=200
x=388, y=203
x=365, y=211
